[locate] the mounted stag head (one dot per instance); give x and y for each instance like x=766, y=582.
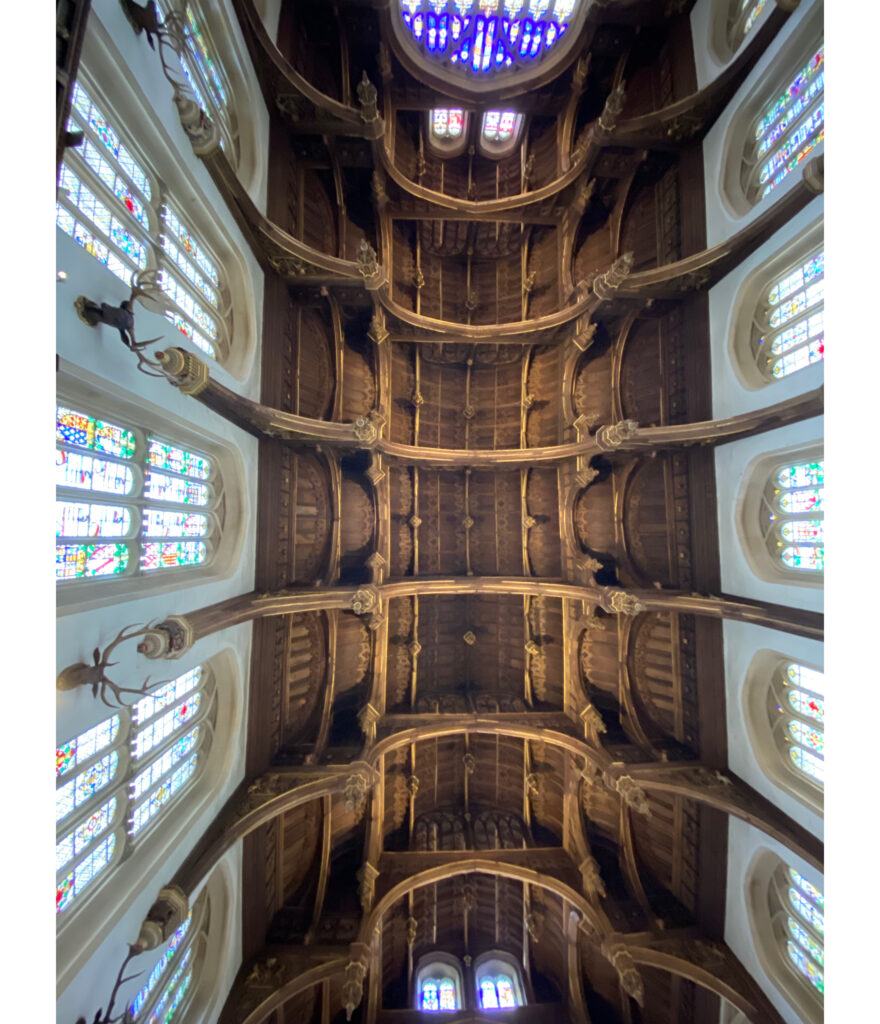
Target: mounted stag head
x=103, y=1016
x=95, y=675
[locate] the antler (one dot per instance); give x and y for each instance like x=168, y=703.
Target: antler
x=103, y=1016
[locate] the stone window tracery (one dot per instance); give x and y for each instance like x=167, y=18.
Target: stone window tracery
x=112, y=205
x=116, y=779
x=129, y=502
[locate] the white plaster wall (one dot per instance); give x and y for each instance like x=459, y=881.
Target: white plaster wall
x=742, y=641
x=731, y=464
x=743, y=843
x=794, y=37
x=729, y=395
x=92, y=940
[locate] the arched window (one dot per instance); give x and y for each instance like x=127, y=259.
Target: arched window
x=438, y=986
x=742, y=16
x=793, y=516
x=787, y=128
x=171, y=981
x=206, y=76
x=127, y=770
x=788, y=333
x=129, y=502
x=785, y=710
x=787, y=916
x=498, y=982
x=499, y=132
x=447, y=123
x=112, y=206
x=797, y=913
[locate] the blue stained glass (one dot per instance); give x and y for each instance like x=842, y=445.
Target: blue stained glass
x=488, y=994
x=137, y=1004
x=430, y=996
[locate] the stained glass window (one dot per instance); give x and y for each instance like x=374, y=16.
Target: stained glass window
x=447, y=123
x=500, y=125
x=437, y=992
x=430, y=996
x=788, y=129
x=789, y=332
x=486, y=36
x=447, y=995
x=155, y=528
x=115, y=772
x=488, y=994
x=497, y=992
x=158, y=971
x=797, y=711
x=107, y=205
x=743, y=15
x=796, y=909
x=794, y=526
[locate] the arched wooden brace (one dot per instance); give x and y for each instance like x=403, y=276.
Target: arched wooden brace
x=301, y=972
x=270, y=795
x=705, y=269
x=709, y=964
x=688, y=120
x=278, y=78
x=192, y=376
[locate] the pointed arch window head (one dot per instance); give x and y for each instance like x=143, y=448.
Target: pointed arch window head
x=127, y=770
x=111, y=206
x=788, y=128
x=150, y=526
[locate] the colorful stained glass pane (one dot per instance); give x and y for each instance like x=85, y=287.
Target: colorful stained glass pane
x=811, y=500
x=168, y=1002
x=157, y=523
x=84, y=873
x=807, y=705
x=488, y=994
x=86, y=745
x=804, y=474
x=506, y=997
x=116, y=183
x=806, y=910
x=163, y=727
x=807, y=888
x=182, y=298
x=144, y=780
x=161, y=487
x=809, y=271
x=447, y=995
x=806, y=966
x=86, y=473
x=808, y=763
x=103, y=219
x=811, y=71
x=812, y=739
x=166, y=695
x=798, y=303
x=808, y=559
x=799, y=334
x=168, y=788
x=808, y=678
x=139, y=1001
x=802, y=936
x=753, y=16
x=199, y=50
x=797, y=147
x=188, y=331
x=804, y=531
x=80, y=561
x=498, y=125
x=76, y=428
x=177, y=460
x=90, y=114
x=430, y=996
x=171, y=554
x=79, y=519
x=77, y=841
x=801, y=358
x=189, y=245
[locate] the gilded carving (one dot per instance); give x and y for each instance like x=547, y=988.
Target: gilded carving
x=354, y=795
x=613, y=107
x=632, y=794
x=591, y=877
x=355, y=972
x=630, y=979
x=368, y=99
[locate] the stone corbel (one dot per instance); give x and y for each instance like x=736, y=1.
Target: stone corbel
x=354, y=795
x=368, y=98
x=353, y=986
x=613, y=108
x=184, y=369
x=165, y=916
x=369, y=267
x=169, y=639
x=605, y=285
x=630, y=792
x=619, y=602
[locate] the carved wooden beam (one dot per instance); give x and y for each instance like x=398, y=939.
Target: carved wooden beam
x=284, y=88
x=707, y=963
x=705, y=269
x=689, y=119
